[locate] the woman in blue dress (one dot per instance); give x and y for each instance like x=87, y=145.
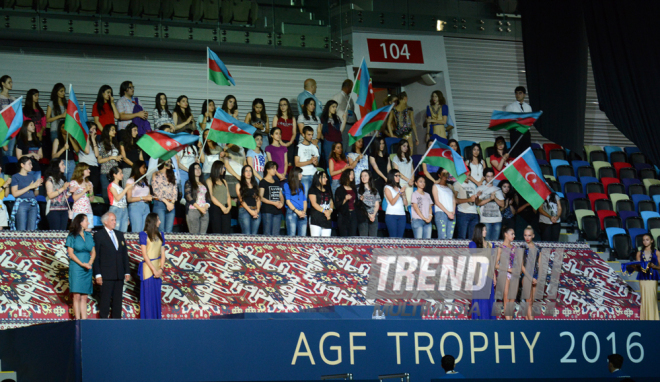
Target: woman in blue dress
x=80, y=248
x=485, y=304
x=150, y=271
x=648, y=277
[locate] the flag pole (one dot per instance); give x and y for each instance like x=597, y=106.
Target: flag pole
x=421, y=160
x=351, y=93
x=147, y=173
x=519, y=138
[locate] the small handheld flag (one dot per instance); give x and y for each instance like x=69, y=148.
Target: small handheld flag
x=361, y=88
x=505, y=120
x=164, y=145
x=11, y=121
x=526, y=177
x=217, y=71
x=370, y=122
x=441, y=155
x=73, y=122
x=227, y=129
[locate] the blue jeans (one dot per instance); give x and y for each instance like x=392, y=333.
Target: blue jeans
x=138, y=212
x=70, y=166
x=294, y=224
x=104, y=187
x=122, y=218
x=166, y=217
x=183, y=178
x=444, y=226
x=327, y=149
x=249, y=225
x=26, y=217
x=334, y=185
x=421, y=229
x=307, y=182
x=493, y=231
x=272, y=223
x=10, y=148
x=396, y=225
x=53, y=134
x=465, y=224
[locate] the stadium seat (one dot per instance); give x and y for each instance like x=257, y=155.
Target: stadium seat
x=536, y=146
x=587, y=179
x=558, y=154
x=416, y=159
x=579, y=163
x=598, y=156
x=656, y=200
x=654, y=189
x=485, y=145
x=599, y=165
x=641, y=166
x=580, y=214
x=556, y=187
x=622, y=205
x=390, y=142
x=578, y=202
x=570, y=187
x=647, y=173
x=602, y=215
x=462, y=145
x=638, y=158
x=565, y=210
x=589, y=149
x=610, y=232
x=618, y=156
x=630, y=150
x=634, y=232
x=616, y=188
x=605, y=204
x=627, y=173
x=618, y=196
x=638, y=198
x=655, y=233
x=594, y=187
x=607, y=181
x=547, y=147
x=621, y=246
x=547, y=170
x=634, y=222
x=610, y=149
x=619, y=165
x=590, y=228
x=557, y=162
x=586, y=171
x=564, y=179
x=564, y=170
x=646, y=205
x=627, y=183
x=606, y=172
x=650, y=216
x=612, y=221
x=539, y=154
x=624, y=215
x=593, y=197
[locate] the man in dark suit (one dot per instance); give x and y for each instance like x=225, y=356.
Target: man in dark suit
x=614, y=364
x=110, y=266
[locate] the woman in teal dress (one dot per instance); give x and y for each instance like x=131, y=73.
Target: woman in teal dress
x=80, y=247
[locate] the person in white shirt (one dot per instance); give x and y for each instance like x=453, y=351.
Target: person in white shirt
x=307, y=158
x=343, y=99
x=490, y=201
x=445, y=206
x=520, y=106
x=466, y=210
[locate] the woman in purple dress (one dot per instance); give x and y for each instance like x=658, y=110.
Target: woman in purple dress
x=485, y=304
x=150, y=271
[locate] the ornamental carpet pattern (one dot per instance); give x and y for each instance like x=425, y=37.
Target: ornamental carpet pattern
x=208, y=275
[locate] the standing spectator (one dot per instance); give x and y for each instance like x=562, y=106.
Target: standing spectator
x=249, y=215
x=81, y=190
x=403, y=163
x=437, y=114
x=130, y=151
x=197, y=201
x=648, y=276
x=256, y=158
x=526, y=215
x=110, y=267
x=163, y=184
x=150, y=271
x=346, y=204
x=4, y=192
x=81, y=251
x=259, y=119
x=430, y=172
x=380, y=164
x=138, y=197
x=395, y=214
x=183, y=116
x=212, y=153
x=220, y=199
x=500, y=158
x=108, y=156
x=345, y=105
x=476, y=164
x=308, y=119
x=33, y=112
x=337, y=165
x=6, y=84
x=277, y=152
x=490, y=201
x=466, y=211
x=370, y=198
x=520, y=106
x=117, y=196
x=234, y=163
x=230, y=106
x=205, y=119
x=272, y=200
x=307, y=158
x=550, y=218
x=104, y=110
x=485, y=305
x=403, y=121
x=186, y=158
x=65, y=150
x=358, y=159
x=390, y=124
x=25, y=188
x=56, y=110
x=296, y=204
x=126, y=106
x=309, y=92
x=320, y=199
x=88, y=156
x=445, y=206
x=332, y=129
x=508, y=210
x=162, y=116
x=56, y=190
x=284, y=121
x=422, y=212
x=28, y=145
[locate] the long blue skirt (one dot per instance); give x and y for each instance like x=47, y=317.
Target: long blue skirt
x=150, y=301
x=485, y=306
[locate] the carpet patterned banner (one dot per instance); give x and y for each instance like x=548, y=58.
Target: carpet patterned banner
x=216, y=275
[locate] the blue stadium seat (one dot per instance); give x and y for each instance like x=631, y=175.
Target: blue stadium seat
x=463, y=144
x=536, y=146
x=416, y=159
x=564, y=179
x=579, y=163
x=629, y=181
x=638, y=198
x=572, y=196
x=624, y=215
x=630, y=150
x=634, y=232
x=656, y=200
x=391, y=141
x=646, y=215
x=613, y=231
x=588, y=179
x=556, y=163
x=609, y=150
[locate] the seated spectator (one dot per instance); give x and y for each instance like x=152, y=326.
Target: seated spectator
x=205, y=119
x=230, y=106
x=28, y=145
x=183, y=117
x=65, y=150
x=448, y=364
x=24, y=187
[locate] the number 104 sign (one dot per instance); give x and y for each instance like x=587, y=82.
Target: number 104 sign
x=401, y=51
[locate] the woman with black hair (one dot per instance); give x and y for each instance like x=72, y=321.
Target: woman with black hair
x=150, y=270
x=230, y=106
x=500, y=158
x=508, y=210
x=104, y=110
x=550, y=218
x=249, y=215
x=205, y=119
x=25, y=188
x=333, y=127
x=309, y=118
x=259, y=119
x=320, y=199
x=138, y=197
x=33, y=112
x=476, y=164
x=296, y=204
x=347, y=204
x=395, y=214
x=117, y=195
x=81, y=191
x=65, y=150
x=81, y=252
x=485, y=305
x=162, y=116
x=380, y=164
x=270, y=191
x=56, y=110
x=284, y=121
x=445, y=206
x=403, y=163
x=182, y=116
x=212, y=153
x=163, y=184
x=130, y=151
x=403, y=122
x=57, y=188
x=369, y=197
x=29, y=145
x=437, y=113
x=277, y=152
x=108, y=156
x=89, y=155
x=220, y=199
x=648, y=276
x=197, y=201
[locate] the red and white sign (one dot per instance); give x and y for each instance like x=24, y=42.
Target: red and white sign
x=402, y=51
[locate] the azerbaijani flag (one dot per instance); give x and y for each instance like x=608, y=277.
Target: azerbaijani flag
x=11, y=121
x=73, y=122
x=227, y=129
x=164, y=145
x=505, y=120
x=441, y=155
x=362, y=84
x=370, y=122
x=218, y=72
x=526, y=177
x=370, y=104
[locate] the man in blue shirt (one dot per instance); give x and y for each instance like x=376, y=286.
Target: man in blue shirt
x=447, y=364
x=309, y=92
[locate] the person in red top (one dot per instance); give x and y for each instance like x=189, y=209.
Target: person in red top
x=284, y=120
x=332, y=130
x=104, y=110
x=500, y=159
x=337, y=164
